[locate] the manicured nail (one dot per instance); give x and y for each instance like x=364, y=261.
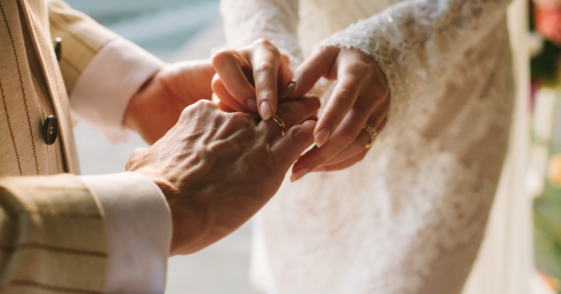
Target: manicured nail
x=299, y=173
x=251, y=104
x=265, y=110
x=288, y=90
x=322, y=137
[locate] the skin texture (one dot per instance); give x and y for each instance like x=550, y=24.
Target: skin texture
x=361, y=95
x=217, y=169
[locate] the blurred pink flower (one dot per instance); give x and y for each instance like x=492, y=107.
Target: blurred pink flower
x=548, y=23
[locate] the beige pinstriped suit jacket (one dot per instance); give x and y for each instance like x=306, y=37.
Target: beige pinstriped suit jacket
x=52, y=232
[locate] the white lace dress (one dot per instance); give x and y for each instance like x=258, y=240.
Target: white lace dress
x=410, y=217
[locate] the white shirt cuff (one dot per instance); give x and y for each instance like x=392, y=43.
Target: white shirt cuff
x=103, y=90
x=139, y=231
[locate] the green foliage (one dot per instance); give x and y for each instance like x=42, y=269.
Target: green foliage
x=547, y=232
x=544, y=66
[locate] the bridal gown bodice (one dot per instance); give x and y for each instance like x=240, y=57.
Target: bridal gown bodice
x=408, y=218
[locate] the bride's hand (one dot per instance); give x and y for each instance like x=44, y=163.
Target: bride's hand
x=250, y=77
x=361, y=96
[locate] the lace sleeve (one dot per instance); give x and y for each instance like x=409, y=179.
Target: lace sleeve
x=276, y=20
x=415, y=42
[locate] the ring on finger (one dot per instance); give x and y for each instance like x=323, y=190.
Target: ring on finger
x=279, y=122
x=369, y=128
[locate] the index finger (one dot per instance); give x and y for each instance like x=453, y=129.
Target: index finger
x=342, y=100
x=312, y=69
x=269, y=73
x=229, y=65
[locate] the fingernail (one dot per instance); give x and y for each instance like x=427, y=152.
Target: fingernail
x=319, y=169
x=265, y=110
x=299, y=173
x=251, y=104
x=288, y=90
x=322, y=137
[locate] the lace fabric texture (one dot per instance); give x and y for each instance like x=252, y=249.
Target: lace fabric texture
x=410, y=217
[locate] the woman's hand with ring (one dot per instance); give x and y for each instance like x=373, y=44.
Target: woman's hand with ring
x=361, y=96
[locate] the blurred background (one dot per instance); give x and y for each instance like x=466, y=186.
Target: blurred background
x=177, y=30
x=544, y=171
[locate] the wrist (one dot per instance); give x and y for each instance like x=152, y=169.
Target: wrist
x=191, y=221
x=139, y=101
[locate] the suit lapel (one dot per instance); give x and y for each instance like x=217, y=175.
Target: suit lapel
x=40, y=36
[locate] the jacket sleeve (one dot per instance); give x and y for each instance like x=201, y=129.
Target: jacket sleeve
x=52, y=236
x=101, y=70
x=82, y=38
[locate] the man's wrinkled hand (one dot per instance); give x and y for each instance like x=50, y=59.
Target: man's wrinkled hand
x=217, y=169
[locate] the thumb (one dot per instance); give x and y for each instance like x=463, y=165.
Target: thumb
x=313, y=68
x=288, y=148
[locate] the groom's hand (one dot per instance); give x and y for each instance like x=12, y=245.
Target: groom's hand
x=156, y=107
x=217, y=169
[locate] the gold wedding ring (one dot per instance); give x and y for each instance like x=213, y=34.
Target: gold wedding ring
x=369, y=128
x=279, y=122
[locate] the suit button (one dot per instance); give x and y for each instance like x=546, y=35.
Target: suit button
x=58, y=48
x=50, y=130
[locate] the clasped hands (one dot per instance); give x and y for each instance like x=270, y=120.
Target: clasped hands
x=249, y=78
x=217, y=163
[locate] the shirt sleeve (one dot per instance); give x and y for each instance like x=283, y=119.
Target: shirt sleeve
x=139, y=231
x=103, y=90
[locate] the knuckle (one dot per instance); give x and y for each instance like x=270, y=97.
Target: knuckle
x=216, y=84
x=263, y=42
x=240, y=118
x=134, y=159
x=267, y=45
x=300, y=134
x=264, y=67
x=345, y=94
x=221, y=56
x=359, y=69
x=199, y=106
x=204, y=104
x=186, y=111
